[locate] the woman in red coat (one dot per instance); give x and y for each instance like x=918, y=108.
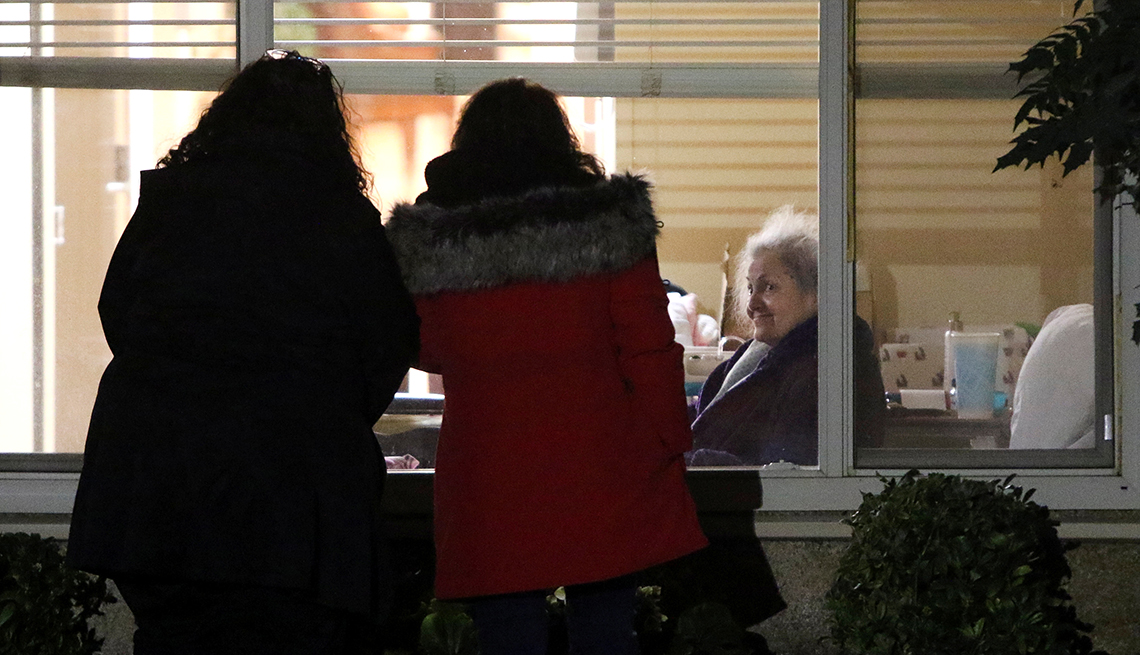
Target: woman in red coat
x=560, y=458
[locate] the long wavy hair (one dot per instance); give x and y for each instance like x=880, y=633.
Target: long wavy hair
x=519, y=126
x=281, y=103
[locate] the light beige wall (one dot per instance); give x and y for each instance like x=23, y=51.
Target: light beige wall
x=939, y=232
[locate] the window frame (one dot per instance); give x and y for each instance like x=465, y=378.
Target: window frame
x=45, y=484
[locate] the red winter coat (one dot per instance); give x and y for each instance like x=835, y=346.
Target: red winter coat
x=560, y=456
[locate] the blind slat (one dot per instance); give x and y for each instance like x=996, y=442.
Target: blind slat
x=592, y=79
x=741, y=32
x=489, y=22
x=502, y=43
x=119, y=28
x=110, y=23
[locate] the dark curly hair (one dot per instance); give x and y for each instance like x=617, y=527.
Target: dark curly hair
x=520, y=124
x=282, y=103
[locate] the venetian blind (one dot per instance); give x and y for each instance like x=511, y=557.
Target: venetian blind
x=948, y=48
x=185, y=44
x=614, y=48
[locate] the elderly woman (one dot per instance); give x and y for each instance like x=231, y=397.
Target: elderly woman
x=761, y=406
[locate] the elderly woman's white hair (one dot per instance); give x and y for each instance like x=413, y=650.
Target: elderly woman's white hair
x=790, y=235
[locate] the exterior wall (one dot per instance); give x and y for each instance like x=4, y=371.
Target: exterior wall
x=1104, y=589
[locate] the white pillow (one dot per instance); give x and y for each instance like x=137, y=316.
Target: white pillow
x=1053, y=404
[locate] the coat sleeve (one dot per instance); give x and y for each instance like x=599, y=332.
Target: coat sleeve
x=649, y=359
x=393, y=325
x=870, y=403
x=795, y=418
x=121, y=286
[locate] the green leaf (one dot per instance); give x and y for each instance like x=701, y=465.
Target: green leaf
x=448, y=630
x=1078, y=87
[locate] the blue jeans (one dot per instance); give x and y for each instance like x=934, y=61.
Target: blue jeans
x=599, y=620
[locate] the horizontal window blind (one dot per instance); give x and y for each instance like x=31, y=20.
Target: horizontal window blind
x=616, y=47
x=954, y=30
x=184, y=44
x=100, y=28
x=948, y=48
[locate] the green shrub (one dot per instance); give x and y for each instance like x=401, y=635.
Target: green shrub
x=44, y=604
x=941, y=564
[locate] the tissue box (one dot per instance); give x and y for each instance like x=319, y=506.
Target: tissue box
x=910, y=366
x=914, y=368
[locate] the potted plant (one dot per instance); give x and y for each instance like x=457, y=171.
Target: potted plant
x=1082, y=98
x=944, y=564
x=44, y=604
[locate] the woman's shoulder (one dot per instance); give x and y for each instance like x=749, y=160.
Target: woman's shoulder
x=551, y=205
x=547, y=234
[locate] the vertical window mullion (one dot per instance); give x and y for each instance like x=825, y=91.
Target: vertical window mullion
x=254, y=29
x=836, y=303
x=1105, y=301
x=1127, y=294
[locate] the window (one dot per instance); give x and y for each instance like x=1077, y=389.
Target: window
x=937, y=234
x=878, y=114
x=93, y=93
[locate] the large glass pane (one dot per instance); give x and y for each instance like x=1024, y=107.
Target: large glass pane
x=69, y=167
x=944, y=244
x=70, y=184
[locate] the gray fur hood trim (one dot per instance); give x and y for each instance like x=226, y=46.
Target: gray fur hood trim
x=552, y=234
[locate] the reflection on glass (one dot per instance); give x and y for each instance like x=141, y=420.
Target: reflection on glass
x=946, y=246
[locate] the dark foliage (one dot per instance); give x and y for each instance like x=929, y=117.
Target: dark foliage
x=1083, y=94
x=942, y=564
x=696, y=605
x=44, y=604
x=705, y=629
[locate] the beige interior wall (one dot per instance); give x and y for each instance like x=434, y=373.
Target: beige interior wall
x=85, y=123
x=938, y=232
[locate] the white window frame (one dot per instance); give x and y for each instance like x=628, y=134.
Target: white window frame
x=836, y=486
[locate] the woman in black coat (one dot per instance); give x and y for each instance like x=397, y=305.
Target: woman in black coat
x=259, y=328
